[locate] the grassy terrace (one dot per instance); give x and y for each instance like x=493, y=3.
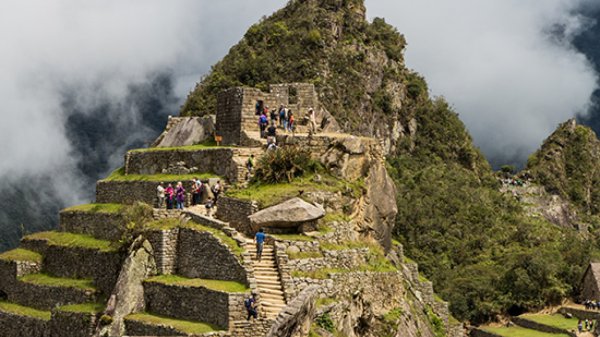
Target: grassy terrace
x=51, y=281
x=24, y=311
x=88, y=308
x=230, y=242
x=188, y=327
x=292, y=237
x=65, y=239
x=20, y=254
x=119, y=175
x=557, y=321
x=218, y=285
x=516, y=331
x=96, y=208
x=271, y=194
x=209, y=145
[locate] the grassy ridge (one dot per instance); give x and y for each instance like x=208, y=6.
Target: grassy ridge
x=188, y=327
x=66, y=239
x=20, y=254
x=24, y=311
x=219, y=285
x=119, y=175
x=51, y=281
x=96, y=208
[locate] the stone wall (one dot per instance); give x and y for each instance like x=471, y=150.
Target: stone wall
x=334, y=259
x=236, y=212
x=229, y=117
x=79, y=262
x=104, y=226
x=46, y=297
x=580, y=313
x=23, y=326
x=193, y=303
x=218, y=161
x=482, y=333
x=72, y=324
x=590, y=290
x=11, y=270
x=202, y=255
x=128, y=192
x=137, y=328
x=164, y=244
x=523, y=322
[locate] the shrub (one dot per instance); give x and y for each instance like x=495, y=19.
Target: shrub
x=284, y=164
x=324, y=321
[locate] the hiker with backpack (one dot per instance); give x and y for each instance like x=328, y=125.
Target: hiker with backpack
x=263, y=122
x=250, y=304
x=216, y=189
x=282, y=117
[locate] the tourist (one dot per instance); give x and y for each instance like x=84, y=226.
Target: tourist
x=282, y=117
x=194, y=192
x=250, y=164
x=262, y=124
x=198, y=188
x=216, y=189
x=160, y=195
x=259, y=238
x=169, y=195
x=272, y=147
x=257, y=108
x=273, y=117
x=290, y=123
x=271, y=134
x=579, y=326
x=180, y=195
x=250, y=304
x=209, y=206
x=313, y=120
x=586, y=324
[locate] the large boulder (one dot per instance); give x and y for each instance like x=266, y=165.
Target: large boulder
x=290, y=214
x=186, y=131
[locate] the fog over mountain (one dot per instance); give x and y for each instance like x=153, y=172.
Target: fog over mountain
x=84, y=81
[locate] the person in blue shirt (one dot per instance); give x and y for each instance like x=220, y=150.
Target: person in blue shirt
x=259, y=238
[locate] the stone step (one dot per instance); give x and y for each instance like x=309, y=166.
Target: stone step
x=269, y=282
x=45, y=292
x=270, y=291
x=262, y=285
x=266, y=275
x=272, y=300
x=266, y=268
x=146, y=324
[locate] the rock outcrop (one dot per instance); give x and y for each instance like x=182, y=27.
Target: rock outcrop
x=184, y=131
x=297, y=317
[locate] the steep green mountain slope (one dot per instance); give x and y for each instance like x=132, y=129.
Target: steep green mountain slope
x=478, y=247
x=568, y=164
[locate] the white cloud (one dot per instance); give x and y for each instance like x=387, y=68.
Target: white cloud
x=497, y=62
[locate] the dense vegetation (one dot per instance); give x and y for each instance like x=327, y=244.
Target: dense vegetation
x=480, y=249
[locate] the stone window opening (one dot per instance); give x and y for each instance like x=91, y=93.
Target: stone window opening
x=293, y=95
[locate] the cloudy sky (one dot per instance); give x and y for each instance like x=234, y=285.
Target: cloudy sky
x=507, y=66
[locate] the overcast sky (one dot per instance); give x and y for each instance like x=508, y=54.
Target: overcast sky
x=493, y=60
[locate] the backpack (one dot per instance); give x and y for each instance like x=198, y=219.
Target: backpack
x=263, y=119
x=248, y=303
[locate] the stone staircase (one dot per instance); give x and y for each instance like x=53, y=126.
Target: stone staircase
x=268, y=280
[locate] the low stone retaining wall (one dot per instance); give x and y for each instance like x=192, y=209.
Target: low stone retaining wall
x=202, y=255
x=476, y=332
x=10, y=270
x=580, y=313
x=335, y=259
x=73, y=324
x=129, y=192
x=300, y=246
x=25, y=326
x=137, y=328
x=192, y=303
x=529, y=324
x=104, y=226
x=218, y=161
x=45, y=297
x=236, y=212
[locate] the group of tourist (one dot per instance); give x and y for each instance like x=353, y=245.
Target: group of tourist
x=586, y=325
x=175, y=198
x=591, y=305
x=284, y=115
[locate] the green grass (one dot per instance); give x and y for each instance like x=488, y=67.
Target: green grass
x=65, y=239
x=516, y=331
x=119, y=175
x=343, y=246
x=206, y=145
x=337, y=216
x=230, y=242
x=20, y=254
x=184, y=326
x=324, y=301
x=304, y=255
x=272, y=194
x=24, y=311
x=91, y=308
x=319, y=274
x=218, y=285
x=557, y=321
x=96, y=208
x=393, y=316
x=51, y=281
x=292, y=237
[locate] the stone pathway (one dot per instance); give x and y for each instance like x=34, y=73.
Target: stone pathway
x=268, y=282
